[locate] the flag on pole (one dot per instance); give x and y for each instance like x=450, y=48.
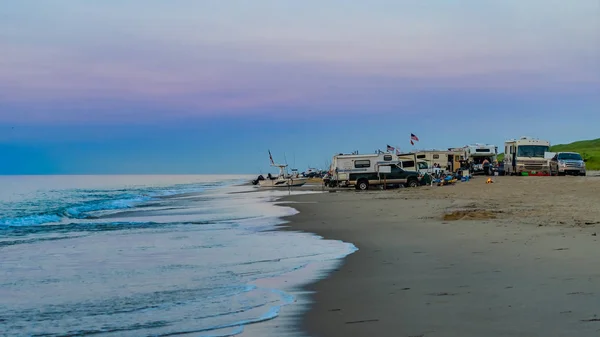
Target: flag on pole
x=271, y=158
x=390, y=148
x=397, y=151
x=413, y=137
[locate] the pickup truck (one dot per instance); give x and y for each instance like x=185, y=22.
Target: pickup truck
x=362, y=181
x=564, y=163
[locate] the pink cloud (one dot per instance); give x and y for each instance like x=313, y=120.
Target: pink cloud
x=208, y=79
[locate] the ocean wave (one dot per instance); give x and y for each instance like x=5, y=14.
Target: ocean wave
x=30, y=220
x=57, y=206
x=76, y=227
x=87, y=210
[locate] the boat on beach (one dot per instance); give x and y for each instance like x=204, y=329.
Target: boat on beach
x=282, y=180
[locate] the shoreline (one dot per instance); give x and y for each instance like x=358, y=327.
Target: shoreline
x=464, y=260
x=292, y=284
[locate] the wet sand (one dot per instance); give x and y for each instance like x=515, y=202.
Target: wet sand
x=519, y=257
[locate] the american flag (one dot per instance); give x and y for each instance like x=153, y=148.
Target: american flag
x=397, y=151
x=413, y=137
x=390, y=148
x=271, y=158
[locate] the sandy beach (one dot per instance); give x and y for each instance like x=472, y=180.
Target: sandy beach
x=518, y=257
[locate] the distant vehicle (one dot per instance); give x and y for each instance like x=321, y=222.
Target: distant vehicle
x=312, y=173
x=526, y=156
x=477, y=155
x=390, y=175
x=343, y=166
x=564, y=163
x=445, y=159
x=499, y=168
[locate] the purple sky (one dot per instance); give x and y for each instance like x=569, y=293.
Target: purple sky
x=109, y=66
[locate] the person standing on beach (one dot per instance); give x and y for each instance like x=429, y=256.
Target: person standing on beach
x=486, y=166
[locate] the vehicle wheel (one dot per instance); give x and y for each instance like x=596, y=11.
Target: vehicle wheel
x=362, y=185
x=412, y=183
x=562, y=174
x=583, y=174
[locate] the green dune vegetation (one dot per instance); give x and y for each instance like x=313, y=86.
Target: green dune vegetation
x=589, y=150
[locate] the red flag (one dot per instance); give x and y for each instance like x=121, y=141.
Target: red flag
x=411, y=142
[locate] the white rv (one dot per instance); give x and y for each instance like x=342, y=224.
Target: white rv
x=478, y=153
x=526, y=155
x=448, y=160
x=342, y=165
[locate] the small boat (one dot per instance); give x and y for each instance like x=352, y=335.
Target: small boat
x=282, y=180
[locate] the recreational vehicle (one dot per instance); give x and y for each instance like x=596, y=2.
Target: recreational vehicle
x=526, y=156
x=447, y=159
x=477, y=154
x=344, y=167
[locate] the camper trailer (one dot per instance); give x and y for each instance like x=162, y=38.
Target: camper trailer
x=446, y=159
x=476, y=154
x=345, y=166
x=526, y=156
x=342, y=165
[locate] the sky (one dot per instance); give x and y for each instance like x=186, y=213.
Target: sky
x=186, y=86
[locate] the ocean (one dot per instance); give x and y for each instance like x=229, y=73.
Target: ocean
x=149, y=256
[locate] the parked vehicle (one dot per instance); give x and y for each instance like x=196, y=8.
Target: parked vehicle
x=387, y=175
x=499, y=167
x=564, y=163
x=481, y=157
x=449, y=160
x=343, y=166
x=526, y=156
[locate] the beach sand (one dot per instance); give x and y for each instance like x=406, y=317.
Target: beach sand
x=519, y=257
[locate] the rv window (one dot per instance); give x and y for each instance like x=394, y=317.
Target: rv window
x=436, y=156
x=423, y=166
x=408, y=163
x=362, y=163
x=421, y=156
x=387, y=157
x=482, y=150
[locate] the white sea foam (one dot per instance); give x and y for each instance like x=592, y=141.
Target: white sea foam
x=173, y=262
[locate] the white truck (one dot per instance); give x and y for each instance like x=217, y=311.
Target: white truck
x=526, y=156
